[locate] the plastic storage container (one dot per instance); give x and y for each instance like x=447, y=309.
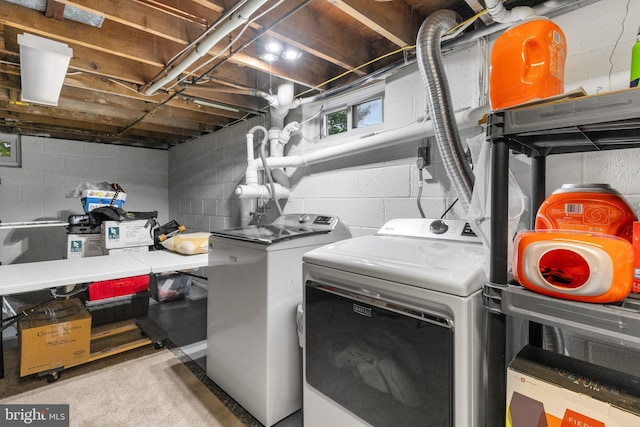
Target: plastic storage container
x=574, y=265
x=527, y=63
x=92, y=199
x=595, y=208
x=170, y=286
x=119, y=308
x=118, y=287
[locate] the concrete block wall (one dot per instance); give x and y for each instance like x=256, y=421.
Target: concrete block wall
x=203, y=175
x=369, y=188
x=364, y=189
x=599, y=42
x=50, y=169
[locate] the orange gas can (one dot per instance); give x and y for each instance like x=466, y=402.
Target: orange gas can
x=527, y=63
x=595, y=208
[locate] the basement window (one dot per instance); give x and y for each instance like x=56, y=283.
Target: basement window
x=367, y=113
x=354, y=116
x=336, y=122
x=9, y=150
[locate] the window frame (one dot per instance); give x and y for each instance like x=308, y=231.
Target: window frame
x=325, y=121
x=15, y=158
x=367, y=101
x=350, y=108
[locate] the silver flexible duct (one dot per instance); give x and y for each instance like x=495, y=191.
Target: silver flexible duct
x=440, y=104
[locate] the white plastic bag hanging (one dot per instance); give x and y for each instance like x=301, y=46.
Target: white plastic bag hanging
x=479, y=215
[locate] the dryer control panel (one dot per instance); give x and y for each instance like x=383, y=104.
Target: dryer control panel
x=447, y=229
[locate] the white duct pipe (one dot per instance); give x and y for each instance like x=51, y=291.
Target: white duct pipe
x=420, y=129
x=235, y=20
x=500, y=14
x=440, y=104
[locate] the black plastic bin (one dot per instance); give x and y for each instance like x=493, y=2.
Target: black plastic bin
x=119, y=308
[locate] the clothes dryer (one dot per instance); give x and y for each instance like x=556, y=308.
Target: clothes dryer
x=255, y=287
x=392, y=327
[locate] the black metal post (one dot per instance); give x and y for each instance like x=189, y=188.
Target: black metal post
x=538, y=190
x=494, y=375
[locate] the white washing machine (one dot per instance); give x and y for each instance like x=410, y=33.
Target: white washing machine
x=393, y=328
x=255, y=287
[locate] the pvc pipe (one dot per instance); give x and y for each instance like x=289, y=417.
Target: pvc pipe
x=261, y=192
x=280, y=104
x=237, y=19
x=278, y=144
x=500, y=14
x=251, y=174
x=420, y=129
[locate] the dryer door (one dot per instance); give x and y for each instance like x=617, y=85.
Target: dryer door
x=387, y=364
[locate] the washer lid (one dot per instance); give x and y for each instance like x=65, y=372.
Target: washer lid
x=267, y=234
x=285, y=227
x=451, y=267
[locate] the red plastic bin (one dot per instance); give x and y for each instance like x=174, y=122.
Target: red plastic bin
x=118, y=287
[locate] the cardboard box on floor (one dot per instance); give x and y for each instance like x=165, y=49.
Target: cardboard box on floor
x=546, y=389
x=57, y=335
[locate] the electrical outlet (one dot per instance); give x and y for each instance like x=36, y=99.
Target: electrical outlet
x=424, y=153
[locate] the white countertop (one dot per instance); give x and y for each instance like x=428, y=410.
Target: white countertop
x=27, y=277
x=163, y=261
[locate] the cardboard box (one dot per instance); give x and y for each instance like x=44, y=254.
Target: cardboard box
x=635, y=287
x=84, y=245
x=553, y=390
x=57, y=335
x=126, y=234
x=92, y=199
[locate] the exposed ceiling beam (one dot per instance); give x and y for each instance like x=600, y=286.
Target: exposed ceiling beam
x=141, y=17
x=393, y=20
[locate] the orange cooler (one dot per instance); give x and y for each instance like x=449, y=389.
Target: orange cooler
x=527, y=63
x=595, y=208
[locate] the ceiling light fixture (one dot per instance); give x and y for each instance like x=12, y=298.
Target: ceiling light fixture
x=275, y=50
x=204, y=103
x=273, y=47
x=269, y=57
x=291, y=54
x=43, y=66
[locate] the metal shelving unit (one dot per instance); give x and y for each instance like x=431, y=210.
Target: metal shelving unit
x=591, y=123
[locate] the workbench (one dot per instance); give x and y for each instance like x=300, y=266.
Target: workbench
x=35, y=276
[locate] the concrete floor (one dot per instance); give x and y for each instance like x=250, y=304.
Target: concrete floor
x=185, y=322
